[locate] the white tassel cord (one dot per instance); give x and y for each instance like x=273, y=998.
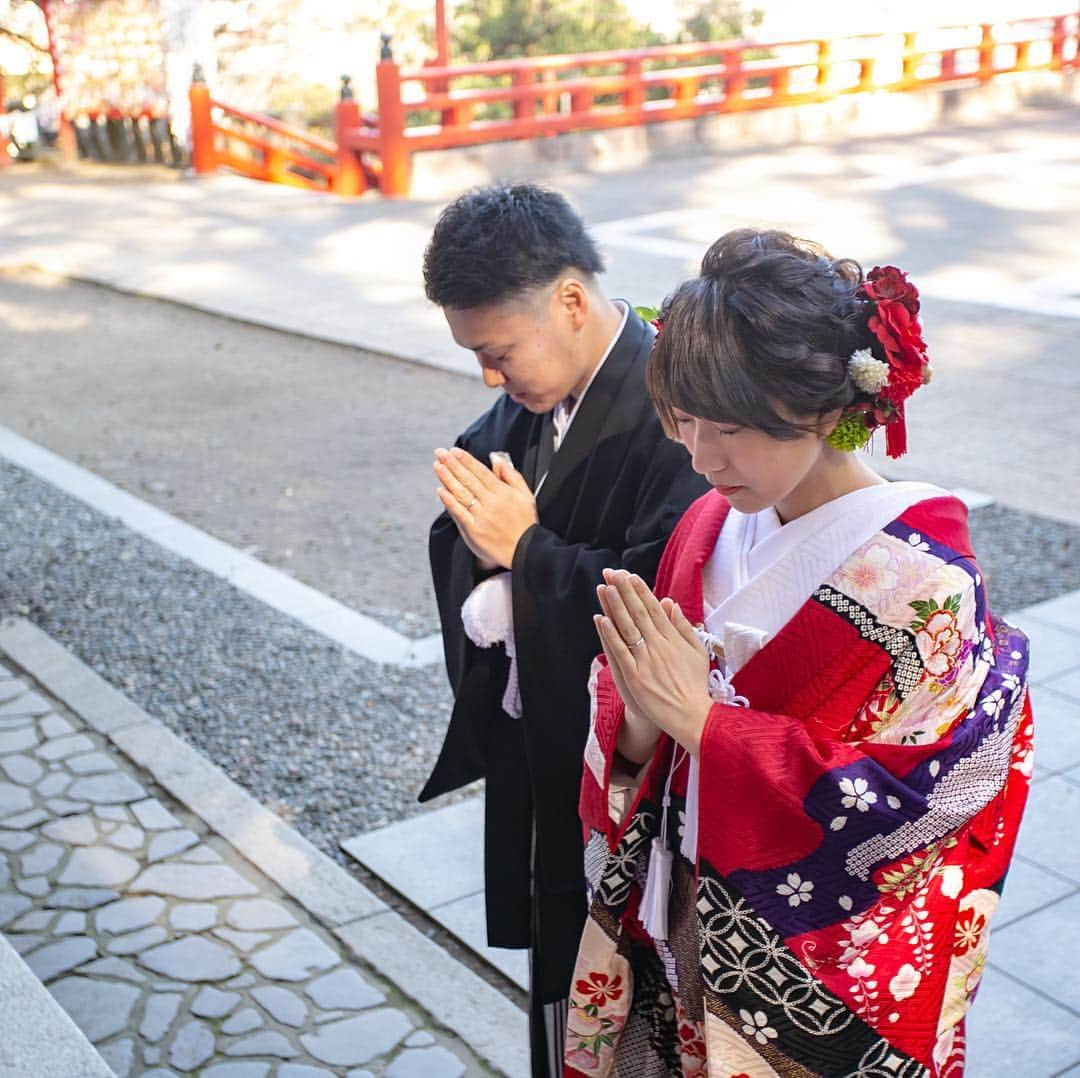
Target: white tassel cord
x=653, y=912
x=723, y=692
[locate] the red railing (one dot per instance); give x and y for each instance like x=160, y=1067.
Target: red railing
x=5, y=161
x=263, y=148
x=433, y=108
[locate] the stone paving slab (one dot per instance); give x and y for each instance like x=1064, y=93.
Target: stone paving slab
x=436, y=861
x=36, y=1026
x=1014, y=1030
x=171, y=945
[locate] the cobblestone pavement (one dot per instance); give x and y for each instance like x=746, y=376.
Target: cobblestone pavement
x=169, y=951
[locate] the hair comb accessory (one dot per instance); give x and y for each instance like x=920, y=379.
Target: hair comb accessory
x=886, y=375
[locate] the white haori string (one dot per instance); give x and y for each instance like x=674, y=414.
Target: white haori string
x=653, y=911
x=488, y=618
x=741, y=641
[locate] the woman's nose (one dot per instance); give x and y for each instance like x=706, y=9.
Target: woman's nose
x=705, y=457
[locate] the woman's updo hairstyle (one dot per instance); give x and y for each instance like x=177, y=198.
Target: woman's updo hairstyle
x=767, y=327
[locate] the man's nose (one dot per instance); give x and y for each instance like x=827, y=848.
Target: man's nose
x=493, y=378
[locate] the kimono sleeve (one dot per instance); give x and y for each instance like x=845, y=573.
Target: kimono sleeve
x=778, y=789
x=606, y=715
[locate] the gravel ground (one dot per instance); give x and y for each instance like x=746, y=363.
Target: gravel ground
x=333, y=743
x=1026, y=558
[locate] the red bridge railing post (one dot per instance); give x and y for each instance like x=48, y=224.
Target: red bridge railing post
x=4, y=159
x=203, y=152
x=633, y=96
x=824, y=66
x=986, y=53
x=396, y=157
x=348, y=176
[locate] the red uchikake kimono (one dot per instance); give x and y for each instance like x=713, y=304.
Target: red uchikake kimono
x=855, y=824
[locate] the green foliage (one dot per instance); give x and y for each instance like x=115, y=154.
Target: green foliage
x=719, y=20
x=850, y=433
x=507, y=29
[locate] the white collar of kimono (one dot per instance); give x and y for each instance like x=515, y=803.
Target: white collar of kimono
x=564, y=413
x=760, y=572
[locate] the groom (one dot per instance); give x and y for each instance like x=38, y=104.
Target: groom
x=567, y=474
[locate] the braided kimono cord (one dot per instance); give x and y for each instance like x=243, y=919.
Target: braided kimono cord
x=653, y=911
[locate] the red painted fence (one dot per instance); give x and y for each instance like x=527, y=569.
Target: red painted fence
x=434, y=108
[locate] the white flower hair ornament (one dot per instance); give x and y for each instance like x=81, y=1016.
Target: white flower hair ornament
x=869, y=374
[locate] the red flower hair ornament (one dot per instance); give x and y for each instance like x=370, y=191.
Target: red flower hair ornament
x=885, y=384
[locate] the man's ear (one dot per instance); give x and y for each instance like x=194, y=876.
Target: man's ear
x=572, y=300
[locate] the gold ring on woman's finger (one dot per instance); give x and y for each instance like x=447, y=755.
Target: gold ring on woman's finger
x=472, y=502
x=639, y=643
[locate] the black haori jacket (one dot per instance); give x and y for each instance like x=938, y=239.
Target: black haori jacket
x=614, y=492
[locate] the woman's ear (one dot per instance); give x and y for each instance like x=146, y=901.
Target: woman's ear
x=827, y=423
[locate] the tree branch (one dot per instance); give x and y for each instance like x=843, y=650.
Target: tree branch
x=23, y=40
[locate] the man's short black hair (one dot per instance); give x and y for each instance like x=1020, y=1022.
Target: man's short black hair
x=494, y=243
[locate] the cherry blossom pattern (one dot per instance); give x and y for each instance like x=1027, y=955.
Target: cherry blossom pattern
x=599, y=988
x=857, y=794
x=693, y=1054
x=590, y=1034
x=868, y=573
x=969, y=928
x=796, y=890
x=756, y=1027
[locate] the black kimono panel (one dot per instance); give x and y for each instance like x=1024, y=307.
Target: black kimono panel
x=614, y=492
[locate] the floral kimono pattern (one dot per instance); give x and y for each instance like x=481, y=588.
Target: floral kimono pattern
x=855, y=823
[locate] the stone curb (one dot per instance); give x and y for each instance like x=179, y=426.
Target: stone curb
x=37, y=1028
x=450, y=992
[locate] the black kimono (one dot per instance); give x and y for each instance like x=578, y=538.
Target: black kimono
x=614, y=491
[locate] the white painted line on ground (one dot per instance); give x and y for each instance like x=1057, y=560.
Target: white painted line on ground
x=360, y=634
